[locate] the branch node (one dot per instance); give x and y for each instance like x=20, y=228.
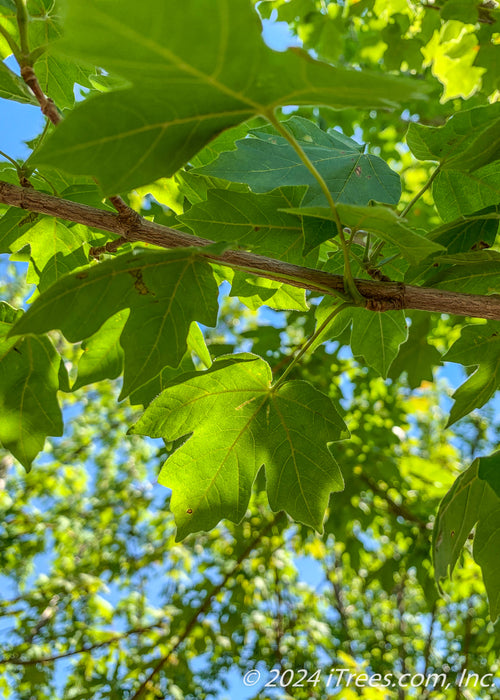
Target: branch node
x=109, y=247
x=394, y=303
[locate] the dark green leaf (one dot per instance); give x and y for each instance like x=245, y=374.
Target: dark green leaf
x=168, y=51
x=381, y=221
x=458, y=193
x=377, y=336
x=473, y=499
x=478, y=346
x=269, y=161
x=417, y=357
x=252, y=221
x=469, y=140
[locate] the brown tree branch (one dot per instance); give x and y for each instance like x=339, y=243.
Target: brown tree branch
x=379, y=296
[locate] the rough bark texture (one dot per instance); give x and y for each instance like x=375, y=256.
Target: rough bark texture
x=129, y=226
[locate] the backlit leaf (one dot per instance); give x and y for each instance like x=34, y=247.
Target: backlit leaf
x=165, y=292
x=473, y=500
x=238, y=423
x=478, y=346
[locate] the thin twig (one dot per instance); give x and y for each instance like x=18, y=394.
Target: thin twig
x=17, y=661
x=400, y=511
x=7, y=157
x=379, y=296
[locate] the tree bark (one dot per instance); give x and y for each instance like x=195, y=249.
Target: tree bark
x=379, y=296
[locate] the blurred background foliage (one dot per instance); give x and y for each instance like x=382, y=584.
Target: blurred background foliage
x=98, y=601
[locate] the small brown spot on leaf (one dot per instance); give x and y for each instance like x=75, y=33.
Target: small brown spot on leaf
x=256, y=228
x=189, y=511
x=358, y=170
x=139, y=282
x=452, y=533
x=81, y=275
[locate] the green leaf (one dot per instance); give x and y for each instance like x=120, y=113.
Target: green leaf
x=12, y=87
x=29, y=381
x=473, y=500
x=102, y=353
x=462, y=236
x=56, y=74
x=464, y=233
x=478, y=346
x=56, y=250
x=269, y=161
x=102, y=356
x=468, y=140
x=150, y=390
x=474, y=278
x=165, y=292
x=463, y=10
x=168, y=51
x=335, y=326
x=381, y=221
x=417, y=357
x=457, y=193
x=252, y=221
x=377, y=336
x=239, y=423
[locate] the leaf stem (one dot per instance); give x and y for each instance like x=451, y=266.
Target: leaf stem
x=378, y=249
x=12, y=44
x=421, y=192
x=7, y=157
x=22, y=23
x=307, y=343
x=350, y=286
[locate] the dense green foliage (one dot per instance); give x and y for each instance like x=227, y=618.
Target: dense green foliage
x=373, y=153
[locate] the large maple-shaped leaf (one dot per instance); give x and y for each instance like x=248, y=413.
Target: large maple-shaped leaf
x=165, y=292
x=195, y=68
x=269, y=161
x=477, y=346
x=29, y=381
x=473, y=500
x=238, y=423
